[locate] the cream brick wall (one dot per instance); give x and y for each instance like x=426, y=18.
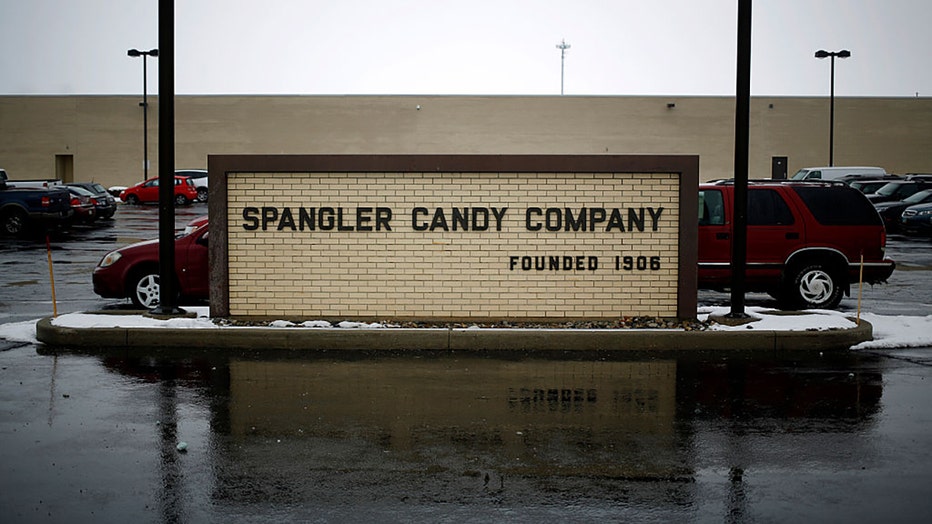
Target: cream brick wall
x=403, y=273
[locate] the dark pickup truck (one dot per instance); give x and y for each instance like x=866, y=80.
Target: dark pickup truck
x=24, y=209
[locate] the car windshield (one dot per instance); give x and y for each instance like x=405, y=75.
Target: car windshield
x=889, y=189
x=99, y=188
x=918, y=198
x=868, y=187
x=801, y=174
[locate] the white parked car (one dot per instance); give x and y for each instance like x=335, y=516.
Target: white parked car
x=836, y=172
x=199, y=177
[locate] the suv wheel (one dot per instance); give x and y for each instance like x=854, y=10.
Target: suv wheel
x=814, y=287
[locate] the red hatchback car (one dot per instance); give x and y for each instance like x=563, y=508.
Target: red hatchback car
x=133, y=271
x=148, y=191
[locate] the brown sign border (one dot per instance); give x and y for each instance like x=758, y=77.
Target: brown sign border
x=686, y=166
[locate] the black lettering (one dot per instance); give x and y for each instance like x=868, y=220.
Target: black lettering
x=363, y=219
x=554, y=264
x=439, y=221
x=636, y=219
x=252, y=221
x=596, y=216
x=553, y=217
x=527, y=219
x=476, y=213
x=512, y=262
x=269, y=214
x=499, y=215
x=615, y=221
x=414, y=223
x=578, y=223
x=325, y=218
x=461, y=219
x=306, y=218
x=654, y=217
x=383, y=216
x=593, y=263
x=287, y=221
x=340, y=226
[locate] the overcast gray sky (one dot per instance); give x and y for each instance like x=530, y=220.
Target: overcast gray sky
x=481, y=47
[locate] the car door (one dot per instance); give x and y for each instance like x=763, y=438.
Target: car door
x=192, y=266
x=774, y=232
x=715, y=205
x=149, y=192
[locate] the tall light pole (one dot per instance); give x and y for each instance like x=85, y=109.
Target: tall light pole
x=562, y=46
x=821, y=53
x=154, y=53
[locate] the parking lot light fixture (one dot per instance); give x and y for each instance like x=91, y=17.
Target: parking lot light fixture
x=821, y=53
x=135, y=53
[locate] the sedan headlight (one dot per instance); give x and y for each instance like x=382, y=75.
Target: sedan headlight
x=110, y=259
x=924, y=213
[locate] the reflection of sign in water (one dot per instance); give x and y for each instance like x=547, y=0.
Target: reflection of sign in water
x=523, y=410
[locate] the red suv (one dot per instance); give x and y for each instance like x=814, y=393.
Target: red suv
x=805, y=241
x=148, y=191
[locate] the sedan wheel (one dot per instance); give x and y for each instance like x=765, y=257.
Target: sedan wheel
x=146, y=291
x=202, y=194
x=181, y=200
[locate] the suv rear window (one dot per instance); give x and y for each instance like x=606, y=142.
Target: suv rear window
x=839, y=206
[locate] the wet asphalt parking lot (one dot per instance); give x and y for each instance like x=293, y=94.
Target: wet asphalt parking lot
x=186, y=436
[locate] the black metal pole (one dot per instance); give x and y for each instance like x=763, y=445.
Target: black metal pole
x=742, y=131
x=831, y=118
x=168, y=303
x=145, y=121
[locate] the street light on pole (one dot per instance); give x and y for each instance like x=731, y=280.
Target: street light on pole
x=154, y=53
x=821, y=53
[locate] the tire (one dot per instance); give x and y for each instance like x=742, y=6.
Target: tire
x=181, y=200
x=202, y=194
x=14, y=222
x=814, y=286
x=144, y=288
x=132, y=200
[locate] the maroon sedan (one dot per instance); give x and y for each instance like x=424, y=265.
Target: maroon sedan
x=133, y=271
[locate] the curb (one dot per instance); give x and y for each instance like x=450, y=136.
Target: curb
x=451, y=339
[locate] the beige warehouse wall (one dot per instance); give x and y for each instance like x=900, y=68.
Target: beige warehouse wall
x=103, y=134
